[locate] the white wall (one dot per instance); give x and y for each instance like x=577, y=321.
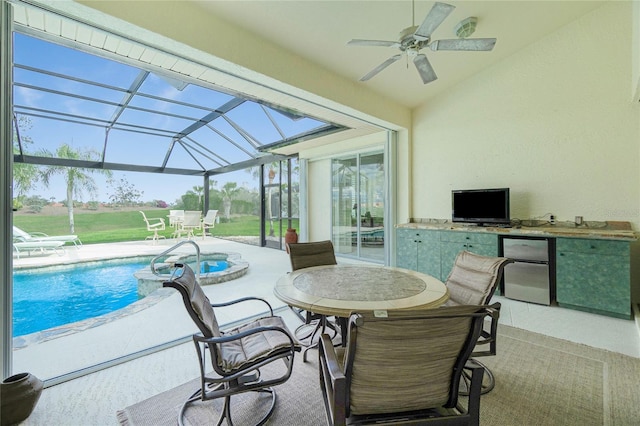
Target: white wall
x=554, y=122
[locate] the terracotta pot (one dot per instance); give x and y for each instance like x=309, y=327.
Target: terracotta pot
x=290, y=237
x=19, y=394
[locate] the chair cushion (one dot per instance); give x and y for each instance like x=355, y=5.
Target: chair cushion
x=237, y=353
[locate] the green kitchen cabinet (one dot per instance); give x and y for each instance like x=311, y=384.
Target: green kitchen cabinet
x=594, y=276
x=453, y=242
x=418, y=250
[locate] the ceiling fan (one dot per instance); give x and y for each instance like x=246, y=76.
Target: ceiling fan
x=414, y=38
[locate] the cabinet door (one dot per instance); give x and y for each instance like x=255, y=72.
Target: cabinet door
x=418, y=250
x=407, y=249
x=452, y=243
x=594, y=276
x=429, y=254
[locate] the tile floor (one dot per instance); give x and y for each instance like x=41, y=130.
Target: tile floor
x=95, y=398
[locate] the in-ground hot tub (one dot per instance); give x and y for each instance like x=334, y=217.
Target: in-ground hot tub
x=214, y=268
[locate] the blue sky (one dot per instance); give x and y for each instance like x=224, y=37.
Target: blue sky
x=90, y=108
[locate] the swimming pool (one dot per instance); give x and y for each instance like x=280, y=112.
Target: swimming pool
x=48, y=297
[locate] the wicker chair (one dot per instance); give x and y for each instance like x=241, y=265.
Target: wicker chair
x=306, y=255
x=403, y=367
x=473, y=281
x=236, y=355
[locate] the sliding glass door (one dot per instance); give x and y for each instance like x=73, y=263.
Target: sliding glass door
x=358, y=206
x=281, y=201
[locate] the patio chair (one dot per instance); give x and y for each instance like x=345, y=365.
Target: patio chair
x=191, y=222
x=154, y=225
x=175, y=217
x=208, y=222
x=472, y=281
x=236, y=355
x=43, y=247
x=403, y=367
x=306, y=255
x=40, y=236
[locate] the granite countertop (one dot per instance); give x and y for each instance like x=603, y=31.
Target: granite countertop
x=612, y=230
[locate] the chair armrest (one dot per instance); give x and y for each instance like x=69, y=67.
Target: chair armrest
x=237, y=336
x=489, y=336
x=158, y=221
x=243, y=299
x=38, y=234
x=333, y=382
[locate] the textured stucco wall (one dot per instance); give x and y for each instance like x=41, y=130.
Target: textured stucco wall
x=554, y=122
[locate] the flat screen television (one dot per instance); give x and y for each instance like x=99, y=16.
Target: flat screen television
x=481, y=206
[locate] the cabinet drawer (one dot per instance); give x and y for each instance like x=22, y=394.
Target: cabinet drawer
x=578, y=245
x=469, y=237
x=418, y=234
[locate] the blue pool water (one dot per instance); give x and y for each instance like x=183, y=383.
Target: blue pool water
x=48, y=298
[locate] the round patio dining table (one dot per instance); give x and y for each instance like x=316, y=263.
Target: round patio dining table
x=338, y=290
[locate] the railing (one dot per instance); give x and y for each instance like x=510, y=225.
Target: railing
x=170, y=249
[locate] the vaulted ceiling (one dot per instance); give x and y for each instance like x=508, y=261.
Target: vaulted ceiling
x=319, y=31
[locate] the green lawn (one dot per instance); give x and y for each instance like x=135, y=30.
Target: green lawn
x=115, y=226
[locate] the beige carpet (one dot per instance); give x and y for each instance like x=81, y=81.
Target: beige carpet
x=540, y=380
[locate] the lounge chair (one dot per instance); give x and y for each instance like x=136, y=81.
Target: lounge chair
x=39, y=236
x=21, y=246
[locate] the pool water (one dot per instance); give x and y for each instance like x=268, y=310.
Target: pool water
x=49, y=298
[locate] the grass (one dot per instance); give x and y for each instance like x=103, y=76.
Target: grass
x=117, y=226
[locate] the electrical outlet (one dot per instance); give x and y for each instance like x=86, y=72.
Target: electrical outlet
x=552, y=219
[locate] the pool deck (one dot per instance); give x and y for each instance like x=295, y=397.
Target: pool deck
x=149, y=322
x=93, y=399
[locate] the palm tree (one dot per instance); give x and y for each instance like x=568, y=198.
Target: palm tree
x=25, y=176
x=229, y=190
x=199, y=190
x=76, y=178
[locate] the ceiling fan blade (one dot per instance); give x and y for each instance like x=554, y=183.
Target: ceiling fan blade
x=424, y=68
x=383, y=43
x=436, y=15
x=380, y=67
x=463, y=44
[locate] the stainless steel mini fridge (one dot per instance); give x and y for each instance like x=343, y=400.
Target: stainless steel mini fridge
x=529, y=277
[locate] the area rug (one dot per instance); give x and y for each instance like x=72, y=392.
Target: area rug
x=540, y=380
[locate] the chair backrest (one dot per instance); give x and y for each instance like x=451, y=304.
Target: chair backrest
x=191, y=218
x=474, y=278
x=408, y=360
x=306, y=255
x=144, y=216
x=195, y=301
x=25, y=236
x=210, y=217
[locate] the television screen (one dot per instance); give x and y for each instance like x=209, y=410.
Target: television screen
x=481, y=206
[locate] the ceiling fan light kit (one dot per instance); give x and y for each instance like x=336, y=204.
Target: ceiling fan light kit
x=466, y=27
x=414, y=38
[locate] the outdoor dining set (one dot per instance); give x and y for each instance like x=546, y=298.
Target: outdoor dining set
x=416, y=337
x=186, y=223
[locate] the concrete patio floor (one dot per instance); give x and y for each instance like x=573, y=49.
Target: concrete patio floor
x=149, y=322
x=93, y=399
